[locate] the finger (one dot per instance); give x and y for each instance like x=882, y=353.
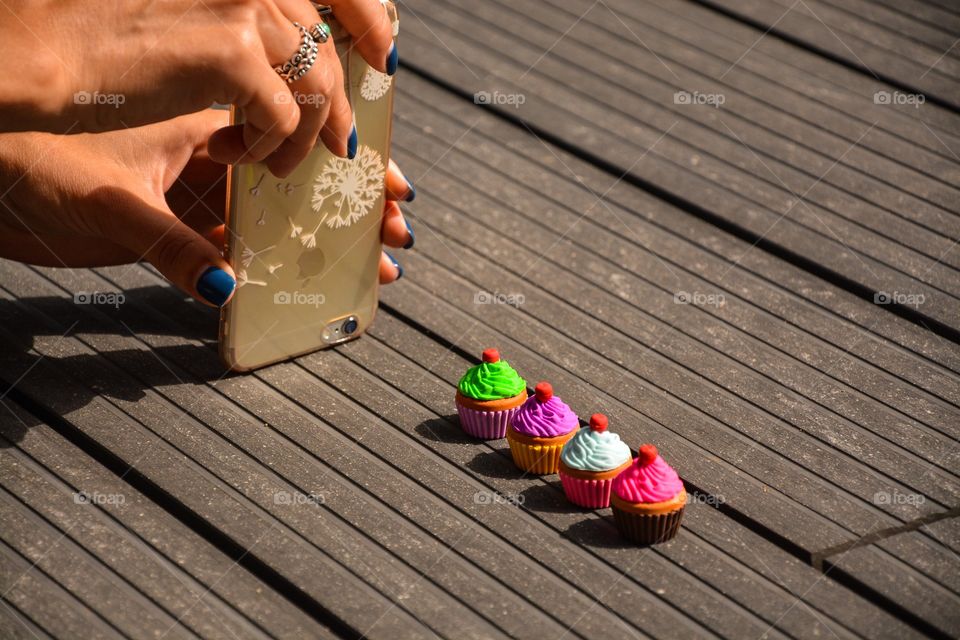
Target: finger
x=399, y=186
x=150, y=230
x=217, y=236
x=368, y=24
x=390, y=269
x=315, y=94
x=339, y=133
x=396, y=230
x=269, y=112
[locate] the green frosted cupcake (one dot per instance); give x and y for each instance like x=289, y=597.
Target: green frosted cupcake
x=488, y=395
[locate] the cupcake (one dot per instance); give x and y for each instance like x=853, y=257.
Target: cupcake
x=539, y=430
x=590, y=462
x=488, y=396
x=648, y=499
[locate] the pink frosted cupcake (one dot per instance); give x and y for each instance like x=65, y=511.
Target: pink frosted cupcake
x=590, y=462
x=488, y=396
x=539, y=430
x=648, y=499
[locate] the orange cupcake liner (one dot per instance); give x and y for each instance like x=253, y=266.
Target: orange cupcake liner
x=537, y=455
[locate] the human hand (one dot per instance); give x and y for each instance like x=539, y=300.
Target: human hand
x=149, y=193
x=96, y=67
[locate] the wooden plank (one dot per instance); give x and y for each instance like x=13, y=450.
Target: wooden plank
x=835, y=84
x=486, y=190
x=42, y=602
x=935, y=560
x=369, y=517
x=726, y=264
x=912, y=19
x=690, y=60
x=849, y=183
x=920, y=70
x=925, y=598
x=16, y=626
x=924, y=12
x=309, y=557
x=594, y=398
x=946, y=5
x=440, y=431
x=51, y=551
x=737, y=140
x=546, y=91
x=946, y=532
x=857, y=21
x=312, y=396
x=682, y=428
x=633, y=610
x=286, y=384
x=197, y=584
x=659, y=349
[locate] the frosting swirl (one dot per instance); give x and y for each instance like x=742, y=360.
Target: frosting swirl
x=592, y=450
x=648, y=479
x=544, y=415
x=493, y=379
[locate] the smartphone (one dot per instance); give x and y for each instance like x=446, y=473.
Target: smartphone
x=306, y=248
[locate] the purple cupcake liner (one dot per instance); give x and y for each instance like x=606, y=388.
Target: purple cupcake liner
x=486, y=425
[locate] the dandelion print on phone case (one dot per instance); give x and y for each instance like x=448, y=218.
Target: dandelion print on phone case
x=375, y=85
x=346, y=190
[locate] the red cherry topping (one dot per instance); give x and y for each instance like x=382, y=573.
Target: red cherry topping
x=544, y=391
x=648, y=453
x=491, y=355
x=598, y=422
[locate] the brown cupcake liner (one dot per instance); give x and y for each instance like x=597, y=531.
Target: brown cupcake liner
x=647, y=528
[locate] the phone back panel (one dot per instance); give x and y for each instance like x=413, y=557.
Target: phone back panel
x=306, y=248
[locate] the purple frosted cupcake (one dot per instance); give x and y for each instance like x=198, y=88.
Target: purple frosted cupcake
x=539, y=430
x=488, y=396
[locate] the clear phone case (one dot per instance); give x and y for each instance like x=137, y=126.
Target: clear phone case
x=306, y=248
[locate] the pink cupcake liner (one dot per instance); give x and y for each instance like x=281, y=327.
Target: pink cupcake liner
x=486, y=425
x=592, y=494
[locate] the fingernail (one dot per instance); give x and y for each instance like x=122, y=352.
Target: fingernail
x=412, y=193
x=352, y=144
x=397, y=265
x=215, y=286
x=392, y=59
x=413, y=237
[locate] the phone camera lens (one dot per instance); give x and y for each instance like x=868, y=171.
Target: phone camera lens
x=350, y=326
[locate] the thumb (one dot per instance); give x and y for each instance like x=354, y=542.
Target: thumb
x=182, y=255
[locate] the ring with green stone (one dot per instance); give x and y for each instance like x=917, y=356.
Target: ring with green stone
x=320, y=32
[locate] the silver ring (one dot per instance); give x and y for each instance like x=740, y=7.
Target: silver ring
x=320, y=32
x=302, y=60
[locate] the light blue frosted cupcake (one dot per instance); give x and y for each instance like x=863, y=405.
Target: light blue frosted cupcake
x=590, y=461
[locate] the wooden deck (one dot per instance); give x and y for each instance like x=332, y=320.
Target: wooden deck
x=767, y=288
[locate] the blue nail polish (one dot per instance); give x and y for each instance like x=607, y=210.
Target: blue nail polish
x=392, y=59
x=352, y=144
x=397, y=265
x=413, y=190
x=215, y=286
x=413, y=237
